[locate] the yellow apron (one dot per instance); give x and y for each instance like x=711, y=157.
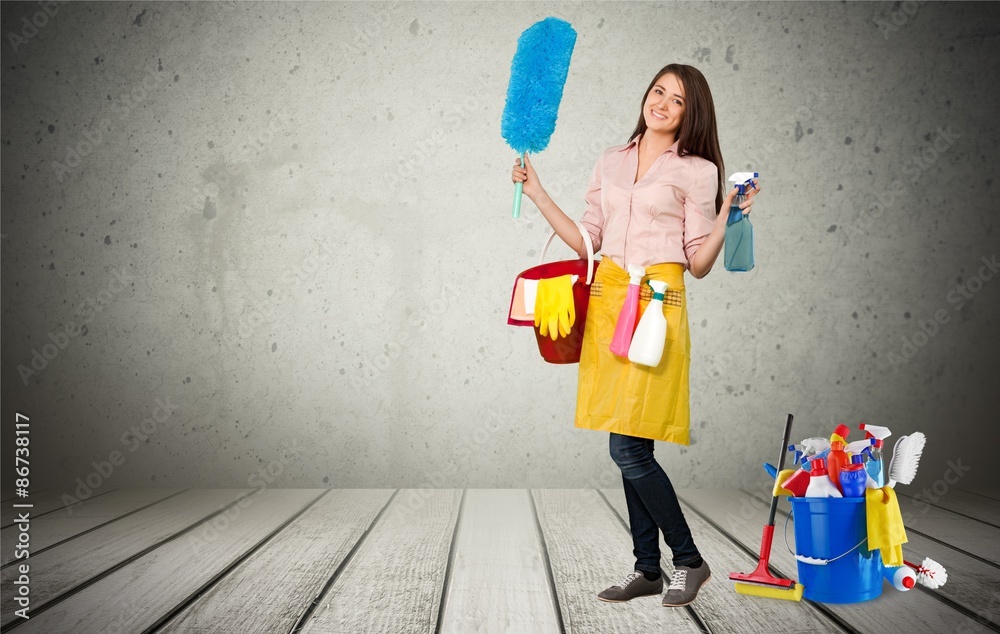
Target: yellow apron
x=616, y=395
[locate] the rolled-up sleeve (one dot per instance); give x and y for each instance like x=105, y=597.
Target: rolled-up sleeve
x=593, y=217
x=699, y=207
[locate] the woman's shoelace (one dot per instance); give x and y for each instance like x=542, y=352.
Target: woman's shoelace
x=629, y=578
x=679, y=580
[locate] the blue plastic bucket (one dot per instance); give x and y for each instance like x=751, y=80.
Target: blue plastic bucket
x=826, y=528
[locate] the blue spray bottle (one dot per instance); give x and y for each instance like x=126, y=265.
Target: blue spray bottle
x=876, y=465
x=739, y=231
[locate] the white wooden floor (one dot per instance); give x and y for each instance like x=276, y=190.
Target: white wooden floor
x=445, y=560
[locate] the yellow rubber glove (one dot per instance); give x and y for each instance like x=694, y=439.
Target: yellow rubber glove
x=543, y=297
x=555, y=311
x=567, y=306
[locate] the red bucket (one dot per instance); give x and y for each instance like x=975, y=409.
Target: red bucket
x=563, y=349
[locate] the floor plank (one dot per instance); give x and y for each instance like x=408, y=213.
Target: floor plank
x=962, y=502
x=718, y=604
x=60, y=569
x=588, y=551
x=9, y=495
x=134, y=597
x=42, y=503
x=270, y=590
x=993, y=494
x=499, y=581
x=65, y=523
x=394, y=581
x=743, y=516
x=975, y=538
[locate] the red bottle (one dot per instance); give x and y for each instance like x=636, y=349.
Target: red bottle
x=835, y=461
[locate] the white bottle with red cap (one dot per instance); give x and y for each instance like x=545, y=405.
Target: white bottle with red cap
x=902, y=578
x=820, y=484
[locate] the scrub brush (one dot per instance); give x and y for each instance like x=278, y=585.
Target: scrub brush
x=930, y=573
x=905, y=458
x=537, y=76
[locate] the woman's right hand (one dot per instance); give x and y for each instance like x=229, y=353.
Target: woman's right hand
x=531, y=187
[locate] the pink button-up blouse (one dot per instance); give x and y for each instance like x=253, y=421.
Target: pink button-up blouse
x=664, y=217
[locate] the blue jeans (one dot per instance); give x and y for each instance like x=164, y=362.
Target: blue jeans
x=652, y=505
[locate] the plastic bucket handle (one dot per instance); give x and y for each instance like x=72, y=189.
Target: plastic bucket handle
x=813, y=560
x=586, y=240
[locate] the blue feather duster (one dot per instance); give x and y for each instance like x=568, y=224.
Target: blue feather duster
x=537, y=76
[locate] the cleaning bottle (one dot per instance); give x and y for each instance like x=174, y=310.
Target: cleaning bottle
x=902, y=578
x=858, y=448
x=798, y=482
x=840, y=433
x=628, y=318
x=852, y=478
x=651, y=334
x=739, y=231
x=836, y=461
x=820, y=485
x=875, y=465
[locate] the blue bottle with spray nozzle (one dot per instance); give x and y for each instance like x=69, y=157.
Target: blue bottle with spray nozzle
x=739, y=231
x=876, y=465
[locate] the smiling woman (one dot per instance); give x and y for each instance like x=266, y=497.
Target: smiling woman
x=654, y=202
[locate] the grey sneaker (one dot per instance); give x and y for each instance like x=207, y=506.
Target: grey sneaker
x=685, y=584
x=633, y=585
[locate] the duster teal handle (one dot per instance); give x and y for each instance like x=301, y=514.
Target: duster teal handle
x=517, y=193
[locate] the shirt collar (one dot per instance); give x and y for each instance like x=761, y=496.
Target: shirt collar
x=635, y=142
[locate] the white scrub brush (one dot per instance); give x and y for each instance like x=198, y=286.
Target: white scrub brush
x=930, y=573
x=905, y=458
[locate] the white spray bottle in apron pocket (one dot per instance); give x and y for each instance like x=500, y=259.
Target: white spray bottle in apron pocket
x=651, y=333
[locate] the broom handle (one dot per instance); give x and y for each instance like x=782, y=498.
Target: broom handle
x=517, y=193
x=781, y=465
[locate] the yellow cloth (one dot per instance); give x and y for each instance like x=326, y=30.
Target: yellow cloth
x=885, y=525
x=616, y=395
x=555, y=311
x=779, y=481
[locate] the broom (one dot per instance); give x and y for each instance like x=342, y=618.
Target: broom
x=761, y=582
x=537, y=76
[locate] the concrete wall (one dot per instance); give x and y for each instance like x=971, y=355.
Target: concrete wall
x=240, y=237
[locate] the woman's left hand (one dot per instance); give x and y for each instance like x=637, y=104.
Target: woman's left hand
x=748, y=197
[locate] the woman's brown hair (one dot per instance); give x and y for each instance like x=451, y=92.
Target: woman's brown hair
x=699, y=134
